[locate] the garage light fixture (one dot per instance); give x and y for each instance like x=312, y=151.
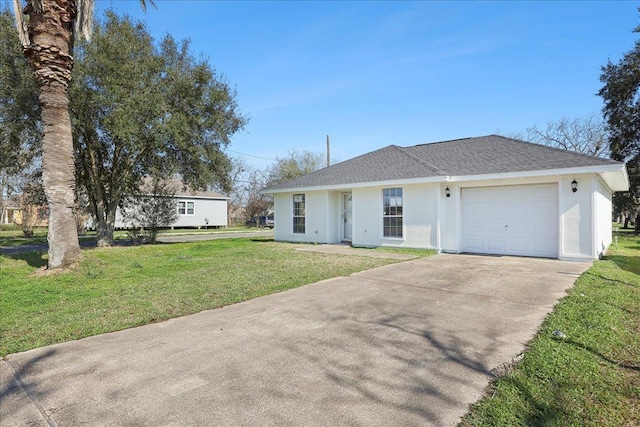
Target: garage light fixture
x=574, y=185
x=447, y=192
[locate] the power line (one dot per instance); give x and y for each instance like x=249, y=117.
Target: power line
x=251, y=155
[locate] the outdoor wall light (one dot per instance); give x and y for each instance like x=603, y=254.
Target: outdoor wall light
x=574, y=185
x=447, y=192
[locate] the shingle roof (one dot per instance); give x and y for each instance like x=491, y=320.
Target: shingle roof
x=184, y=191
x=492, y=154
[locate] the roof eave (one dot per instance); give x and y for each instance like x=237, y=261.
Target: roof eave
x=347, y=186
x=614, y=175
x=190, y=196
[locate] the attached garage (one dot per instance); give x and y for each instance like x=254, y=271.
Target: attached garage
x=511, y=220
x=489, y=195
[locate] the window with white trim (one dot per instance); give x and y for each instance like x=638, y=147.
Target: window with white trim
x=186, y=208
x=392, y=212
x=299, y=214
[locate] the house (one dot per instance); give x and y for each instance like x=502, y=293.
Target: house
x=489, y=195
x=11, y=210
x=15, y=211
x=195, y=209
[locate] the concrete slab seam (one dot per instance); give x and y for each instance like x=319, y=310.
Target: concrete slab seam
x=30, y=395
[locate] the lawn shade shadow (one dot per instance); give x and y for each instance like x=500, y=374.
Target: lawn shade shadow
x=626, y=263
x=543, y=414
x=262, y=239
x=32, y=258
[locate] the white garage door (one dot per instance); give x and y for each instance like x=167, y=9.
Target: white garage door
x=513, y=220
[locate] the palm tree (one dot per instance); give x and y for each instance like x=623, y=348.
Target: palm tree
x=47, y=37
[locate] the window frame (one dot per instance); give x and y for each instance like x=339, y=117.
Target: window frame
x=393, y=213
x=184, y=209
x=299, y=214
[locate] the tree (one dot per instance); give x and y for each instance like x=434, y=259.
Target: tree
x=150, y=209
x=47, y=37
x=257, y=203
x=240, y=175
x=20, y=128
x=141, y=110
x=295, y=164
x=586, y=135
x=621, y=95
x=32, y=200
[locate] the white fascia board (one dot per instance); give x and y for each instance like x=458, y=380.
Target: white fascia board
x=617, y=174
x=188, y=196
x=390, y=183
x=614, y=175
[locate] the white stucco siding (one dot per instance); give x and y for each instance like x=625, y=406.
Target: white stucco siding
x=316, y=219
x=576, y=237
x=603, y=211
x=317, y=208
x=367, y=216
x=282, y=216
x=449, y=218
x=420, y=217
x=334, y=219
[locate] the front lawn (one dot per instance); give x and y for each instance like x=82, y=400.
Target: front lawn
x=589, y=375
x=13, y=236
x=121, y=287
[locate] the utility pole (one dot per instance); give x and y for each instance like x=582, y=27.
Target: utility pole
x=328, y=152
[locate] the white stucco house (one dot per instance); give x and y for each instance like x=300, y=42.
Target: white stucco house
x=490, y=195
x=195, y=209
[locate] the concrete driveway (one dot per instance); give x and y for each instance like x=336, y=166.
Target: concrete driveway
x=410, y=344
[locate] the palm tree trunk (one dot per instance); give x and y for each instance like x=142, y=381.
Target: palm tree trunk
x=49, y=55
x=58, y=177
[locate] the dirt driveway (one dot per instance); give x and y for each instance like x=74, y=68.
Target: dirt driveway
x=409, y=344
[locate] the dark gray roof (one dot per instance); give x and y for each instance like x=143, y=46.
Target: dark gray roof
x=492, y=154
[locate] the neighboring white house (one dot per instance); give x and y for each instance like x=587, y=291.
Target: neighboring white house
x=491, y=195
x=195, y=209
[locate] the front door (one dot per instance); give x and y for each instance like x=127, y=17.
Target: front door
x=346, y=216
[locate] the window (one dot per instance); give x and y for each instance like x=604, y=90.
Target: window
x=392, y=212
x=298, y=214
x=186, y=208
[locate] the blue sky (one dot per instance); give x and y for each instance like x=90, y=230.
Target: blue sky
x=375, y=73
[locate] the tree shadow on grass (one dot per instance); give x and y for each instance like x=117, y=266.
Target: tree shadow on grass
x=602, y=356
x=34, y=259
x=262, y=239
x=541, y=413
x=609, y=279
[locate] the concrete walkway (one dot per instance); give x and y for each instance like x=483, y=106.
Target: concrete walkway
x=411, y=344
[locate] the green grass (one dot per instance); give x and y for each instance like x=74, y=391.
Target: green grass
x=13, y=235
x=121, y=287
x=589, y=378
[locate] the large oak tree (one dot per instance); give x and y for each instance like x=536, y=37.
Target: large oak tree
x=621, y=95
x=143, y=110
